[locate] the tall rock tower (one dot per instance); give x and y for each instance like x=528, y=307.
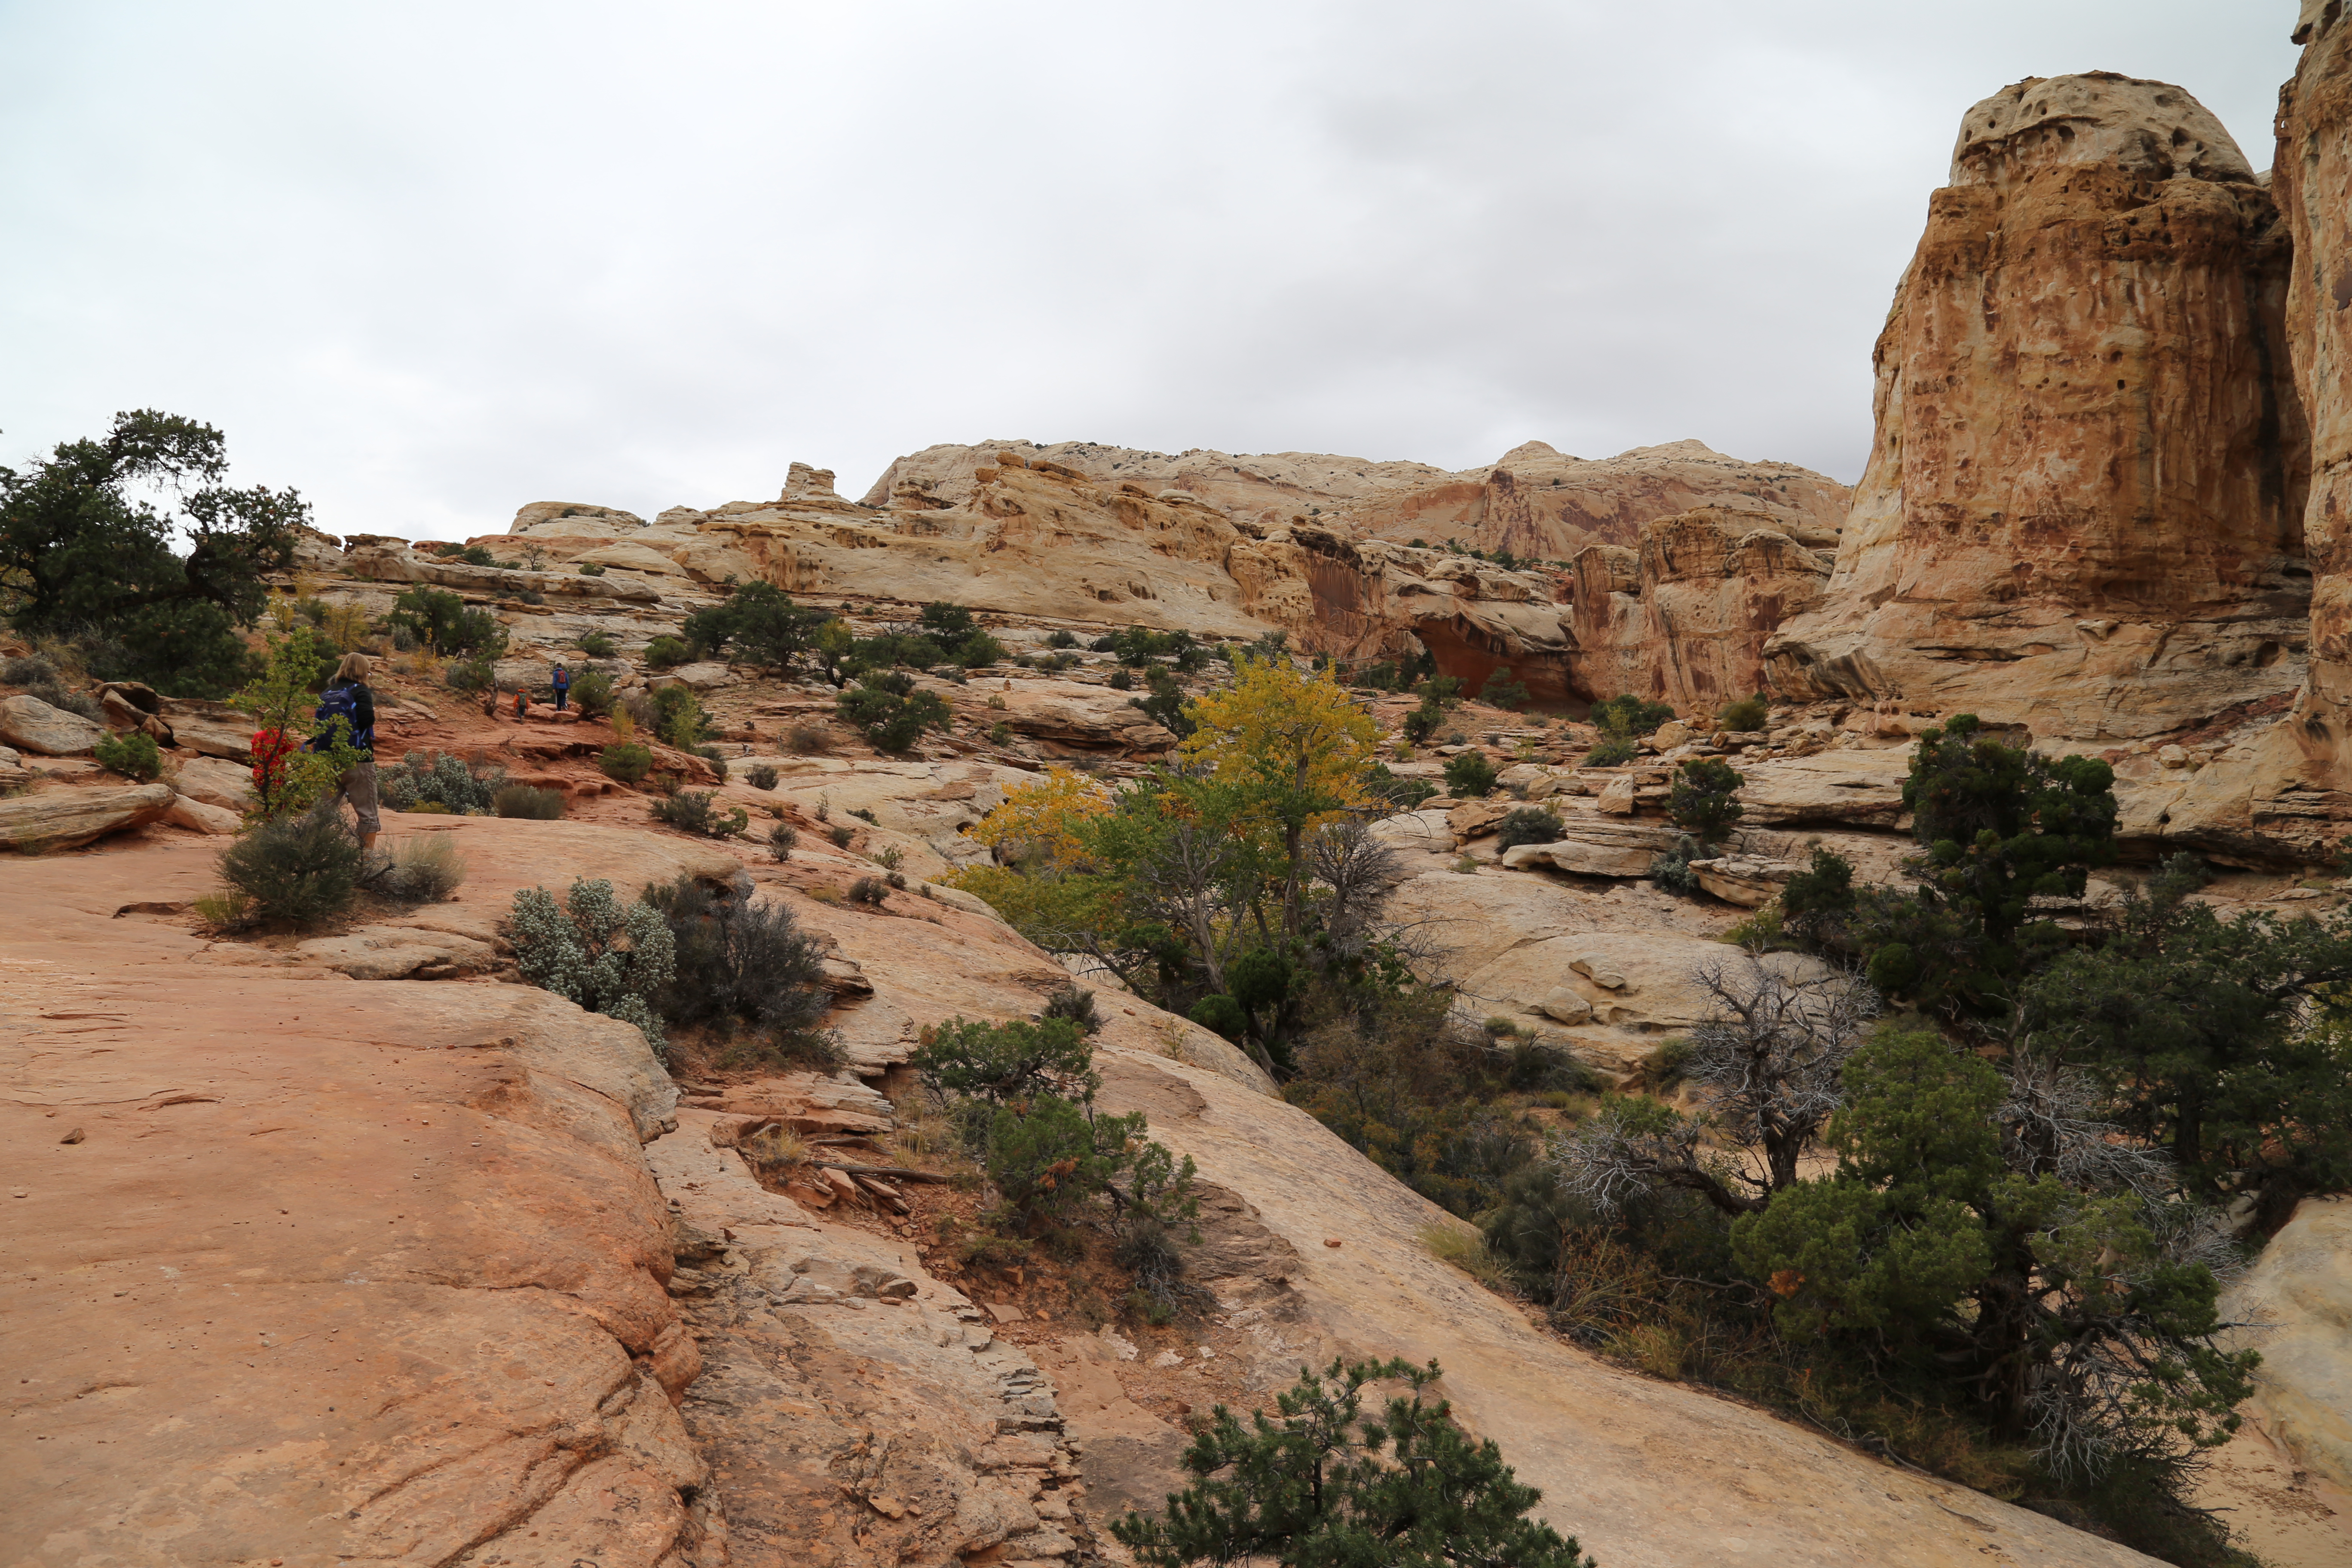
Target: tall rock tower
x=2084, y=504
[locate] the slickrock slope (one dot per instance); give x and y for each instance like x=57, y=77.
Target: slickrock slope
x=311, y=1268
x=2083, y=509
x=1533, y=501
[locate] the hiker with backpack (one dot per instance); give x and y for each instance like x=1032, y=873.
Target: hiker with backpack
x=347, y=698
x=562, y=683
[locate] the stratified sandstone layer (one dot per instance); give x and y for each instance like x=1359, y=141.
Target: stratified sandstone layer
x=1533, y=501
x=2084, y=508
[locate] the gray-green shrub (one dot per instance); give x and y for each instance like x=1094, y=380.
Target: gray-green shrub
x=420, y=777
x=529, y=802
x=593, y=952
x=295, y=871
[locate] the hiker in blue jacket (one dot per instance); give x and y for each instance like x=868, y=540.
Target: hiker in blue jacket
x=563, y=687
x=347, y=698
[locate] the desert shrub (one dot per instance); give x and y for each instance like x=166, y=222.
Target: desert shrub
x=29, y=669
x=1631, y=716
x=1316, y=1486
x=1672, y=869
x=592, y=693
x=676, y=717
x=782, y=841
x=440, y=779
x=472, y=675
x=716, y=758
x=888, y=857
x=425, y=870
x=596, y=645
x=133, y=754
x=1077, y=1006
x=1060, y=640
x=1705, y=800
x=294, y=871
x=762, y=775
x=1529, y=825
x=1120, y=681
x=591, y=569
x=841, y=834
x=627, y=762
x=1470, y=775
x=869, y=890
x=999, y=733
x=595, y=954
x=807, y=740
x=666, y=652
x=744, y=968
x=887, y=710
x=690, y=811
x=529, y=802
x=1502, y=691
x=439, y=620
x=1744, y=714
x=865, y=814
x=1402, y=792
x=1612, y=752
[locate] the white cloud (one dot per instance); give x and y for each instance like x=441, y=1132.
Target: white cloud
x=432, y=261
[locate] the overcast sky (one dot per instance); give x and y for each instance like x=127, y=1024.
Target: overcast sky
x=429, y=261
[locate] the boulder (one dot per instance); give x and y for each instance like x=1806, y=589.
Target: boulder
x=1567, y=1006
x=1599, y=846
x=1529, y=781
x=131, y=705
x=215, y=783
x=1065, y=715
x=1749, y=881
x=1597, y=968
x=32, y=725
x=707, y=676
x=198, y=818
x=1616, y=797
x=1856, y=788
x=1672, y=733
x=64, y=817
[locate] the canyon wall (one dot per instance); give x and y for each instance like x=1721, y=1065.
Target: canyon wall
x=1532, y=501
x=2084, y=507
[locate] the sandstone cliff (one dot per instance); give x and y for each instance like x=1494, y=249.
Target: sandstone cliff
x=2084, y=508
x=1532, y=501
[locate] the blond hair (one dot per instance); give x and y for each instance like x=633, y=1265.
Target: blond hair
x=353, y=667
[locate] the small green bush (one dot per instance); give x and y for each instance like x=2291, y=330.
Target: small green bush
x=627, y=762
x=1077, y=1006
x=666, y=652
x=133, y=754
x=1120, y=681
x=597, y=644
x=1628, y=715
x=867, y=890
x=745, y=968
x=808, y=739
x=675, y=716
x=841, y=834
x=529, y=803
x=999, y=733
x=716, y=758
x=690, y=811
x=1402, y=792
x=762, y=775
x=592, y=693
x=1613, y=752
x=782, y=841
x=472, y=675
x=1747, y=713
x=1529, y=825
x=1502, y=691
x=1061, y=639
x=591, y=569
x=1470, y=776
x=1672, y=869
x=439, y=620
x=295, y=872
x=887, y=710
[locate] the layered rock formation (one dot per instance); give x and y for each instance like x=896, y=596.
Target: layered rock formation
x=2084, y=508
x=1532, y=501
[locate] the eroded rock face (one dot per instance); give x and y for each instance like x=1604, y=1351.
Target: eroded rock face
x=2084, y=508
x=1685, y=617
x=32, y=725
x=52, y=819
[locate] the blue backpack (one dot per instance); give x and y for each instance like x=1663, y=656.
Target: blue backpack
x=341, y=702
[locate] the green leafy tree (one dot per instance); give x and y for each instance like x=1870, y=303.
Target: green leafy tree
x=289, y=774
x=1167, y=703
x=762, y=624
x=1471, y=776
x=1000, y=1063
x=1704, y=799
x=1629, y=717
x=1325, y=1487
x=1502, y=691
x=81, y=554
x=440, y=620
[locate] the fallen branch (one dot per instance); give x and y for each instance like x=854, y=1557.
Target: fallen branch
x=887, y=1172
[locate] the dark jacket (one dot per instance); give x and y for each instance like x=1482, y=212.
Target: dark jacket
x=363, y=714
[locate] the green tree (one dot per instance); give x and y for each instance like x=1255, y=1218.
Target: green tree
x=1502, y=691
x=288, y=774
x=440, y=620
x=1999, y=828
x=2221, y=1040
x=80, y=554
x=887, y=710
x=1326, y=1487
x=1471, y=776
x=761, y=622
x=1704, y=799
